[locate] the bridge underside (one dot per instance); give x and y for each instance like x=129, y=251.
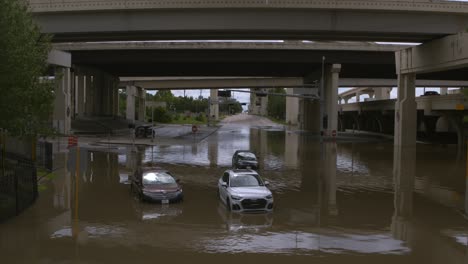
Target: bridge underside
x=254, y=23
x=274, y=63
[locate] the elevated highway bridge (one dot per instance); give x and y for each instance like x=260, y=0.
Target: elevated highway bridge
x=391, y=20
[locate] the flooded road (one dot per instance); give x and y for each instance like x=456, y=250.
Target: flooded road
x=334, y=203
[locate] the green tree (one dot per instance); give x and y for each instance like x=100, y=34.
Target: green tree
x=164, y=96
x=230, y=106
x=277, y=104
x=25, y=99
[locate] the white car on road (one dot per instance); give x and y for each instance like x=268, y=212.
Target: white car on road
x=243, y=190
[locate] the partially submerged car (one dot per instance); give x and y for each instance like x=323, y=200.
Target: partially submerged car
x=244, y=159
x=156, y=185
x=242, y=190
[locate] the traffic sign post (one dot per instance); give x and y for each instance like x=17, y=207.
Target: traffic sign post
x=72, y=141
x=194, y=132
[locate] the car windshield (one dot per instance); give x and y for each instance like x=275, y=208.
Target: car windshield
x=247, y=156
x=151, y=178
x=247, y=180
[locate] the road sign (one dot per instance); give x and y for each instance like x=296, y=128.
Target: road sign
x=72, y=141
x=224, y=93
x=194, y=129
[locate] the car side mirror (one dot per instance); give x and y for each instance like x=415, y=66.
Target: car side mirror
x=224, y=184
x=267, y=183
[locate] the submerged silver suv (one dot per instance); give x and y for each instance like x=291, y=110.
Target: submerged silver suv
x=243, y=190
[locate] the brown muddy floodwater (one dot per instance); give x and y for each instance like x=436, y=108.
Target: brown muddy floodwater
x=320, y=216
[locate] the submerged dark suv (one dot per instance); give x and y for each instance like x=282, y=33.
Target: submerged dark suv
x=244, y=159
x=156, y=185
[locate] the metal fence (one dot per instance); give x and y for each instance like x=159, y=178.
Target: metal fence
x=18, y=184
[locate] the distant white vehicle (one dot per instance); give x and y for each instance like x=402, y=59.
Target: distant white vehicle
x=243, y=190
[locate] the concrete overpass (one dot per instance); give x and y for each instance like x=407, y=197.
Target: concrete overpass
x=435, y=114
x=392, y=20
x=287, y=59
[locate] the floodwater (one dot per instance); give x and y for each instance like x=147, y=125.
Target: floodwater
x=334, y=203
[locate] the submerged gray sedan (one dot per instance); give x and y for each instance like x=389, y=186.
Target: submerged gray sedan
x=243, y=190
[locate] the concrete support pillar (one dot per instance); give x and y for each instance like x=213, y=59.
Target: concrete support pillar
x=331, y=97
x=405, y=112
x=213, y=150
x=292, y=108
x=141, y=104
x=214, y=105
x=382, y=93
x=259, y=104
x=309, y=115
x=131, y=92
x=89, y=104
x=80, y=93
x=291, y=149
x=113, y=100
x=443, y=90
x=403, y=200
x=107, y=95
x=264, y=105
x=98, y=84
x=358, y=97
x=62, y=103
x=404, y=154
x=330, y=177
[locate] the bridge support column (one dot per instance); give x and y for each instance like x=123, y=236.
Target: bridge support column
x=214, y=105
x=331, y=97
x=79, y=94
x=141, y=104
x=309, y=115
x=292, y=108
x=330, y=177
x=403, y=170
x=264, y=105
x=131, y=93
x=405, y=111
x=382, y=93
x=443, y=90
x=62, y=102
x=358, y=97
x=258, y=105
x=291, y=149
x=404, y=154
x=89, y=94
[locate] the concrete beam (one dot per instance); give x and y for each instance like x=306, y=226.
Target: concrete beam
x=59, y=58
x=357, y=82
x=450, y=102
x=384, y=20
x=211, y=83
x=438, y=55
x=353, y=92
x=56, y=6
x=220, y=44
